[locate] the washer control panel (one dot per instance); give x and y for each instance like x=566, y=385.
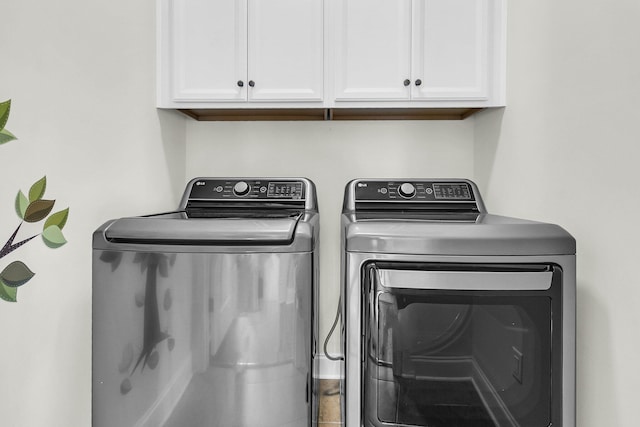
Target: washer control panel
x=419, y=191
x=247, y=189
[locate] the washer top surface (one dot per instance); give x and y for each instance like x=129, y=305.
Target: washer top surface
x=439, y=217
x=232, y=214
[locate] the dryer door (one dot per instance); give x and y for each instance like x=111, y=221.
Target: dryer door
x=462, y=344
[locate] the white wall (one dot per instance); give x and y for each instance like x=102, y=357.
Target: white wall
x=331, y=154
x=566, y=150
x=81, y=77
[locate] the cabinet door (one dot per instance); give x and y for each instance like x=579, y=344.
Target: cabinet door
x=373, y=48
x=450, y=49
x=286, y=50
x=208, y=45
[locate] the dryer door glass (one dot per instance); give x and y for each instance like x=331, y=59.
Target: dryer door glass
x=478, y=350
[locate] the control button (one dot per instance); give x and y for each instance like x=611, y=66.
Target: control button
x=383, y=190
x=407, y=190
x=263, y=189
x=219, y=188
x=428, y=190
x=241, y=188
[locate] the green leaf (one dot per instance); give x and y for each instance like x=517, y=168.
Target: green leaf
x=21, y=204
x=58, y=218
x=37, y=189
x=6, y=136
x=53, y=237
x=7, y=293
x=38, y=210
x=5, y=108
x=16, y=274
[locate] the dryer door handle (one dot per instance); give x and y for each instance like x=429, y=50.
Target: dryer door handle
x=466, y=280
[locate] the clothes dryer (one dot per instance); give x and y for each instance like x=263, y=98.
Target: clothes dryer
x=206, y=316
x=453, y=316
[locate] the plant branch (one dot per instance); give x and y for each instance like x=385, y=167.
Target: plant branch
x=13, y=236
x=10, y=246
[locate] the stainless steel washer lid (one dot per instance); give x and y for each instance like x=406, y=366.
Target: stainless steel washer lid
x=203, y=231
x=231, y=235
x=234, y=215
x=489, y=235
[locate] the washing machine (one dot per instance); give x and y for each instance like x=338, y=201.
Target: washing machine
x=206, y=316
x=453, y=316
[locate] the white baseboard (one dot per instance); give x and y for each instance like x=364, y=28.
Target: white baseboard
x=329, y=369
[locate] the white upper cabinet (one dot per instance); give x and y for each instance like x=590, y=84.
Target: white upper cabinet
x=450, y=49
x=373, y=49
x=207, y=50
x=330, y=57
x=218, y=53
x=431, y=53
x=286, y=50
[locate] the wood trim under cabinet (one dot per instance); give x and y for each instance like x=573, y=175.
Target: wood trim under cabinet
x=401, y=113
x=255, y=114
x=308, y=114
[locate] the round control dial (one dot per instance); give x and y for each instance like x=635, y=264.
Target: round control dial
x=407, y=190
x=241, y=188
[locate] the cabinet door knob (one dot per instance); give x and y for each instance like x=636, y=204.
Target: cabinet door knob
x=252, y=83
x=418, y=82
x=240, y=83
x=407, y=82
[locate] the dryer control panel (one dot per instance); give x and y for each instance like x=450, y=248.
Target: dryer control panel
x=413, y=194
x=413, y=190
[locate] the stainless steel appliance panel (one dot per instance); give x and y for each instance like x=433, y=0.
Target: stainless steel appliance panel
x=194, y=339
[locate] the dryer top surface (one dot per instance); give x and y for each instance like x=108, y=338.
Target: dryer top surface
x=439, y=217
x=487, y=235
